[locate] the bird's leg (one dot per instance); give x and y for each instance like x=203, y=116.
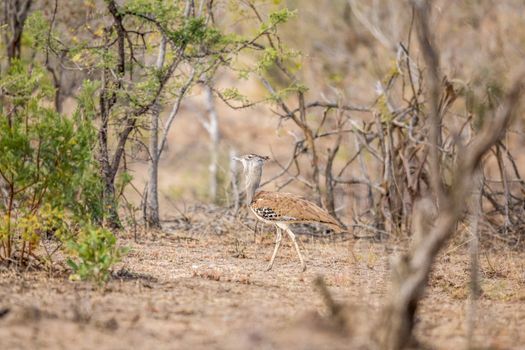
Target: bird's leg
x=277, y=245
x=292, y=236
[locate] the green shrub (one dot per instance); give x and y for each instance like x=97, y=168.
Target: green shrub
x=49, y=179
x=96, y=251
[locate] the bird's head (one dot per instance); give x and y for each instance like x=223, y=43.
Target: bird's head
x=251, y=160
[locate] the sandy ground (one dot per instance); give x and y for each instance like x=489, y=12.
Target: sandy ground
x=175, y=291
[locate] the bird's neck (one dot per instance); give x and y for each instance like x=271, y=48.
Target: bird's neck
x=253, y=180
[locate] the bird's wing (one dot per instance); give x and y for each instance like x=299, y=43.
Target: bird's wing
x=281, y=206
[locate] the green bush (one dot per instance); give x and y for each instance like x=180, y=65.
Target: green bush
x=96, y=251
x=49, y=179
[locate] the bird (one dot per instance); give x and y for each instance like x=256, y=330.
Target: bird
x=279, y=208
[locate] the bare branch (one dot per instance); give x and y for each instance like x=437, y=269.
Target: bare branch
x=175, y=110
x=431, y=57
x=411, y=271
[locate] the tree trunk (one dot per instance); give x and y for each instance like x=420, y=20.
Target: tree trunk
x=108, y=98
x=15, y=12
x=212, y=126
x=476, y=211
x=152, y=210
x=112, y=219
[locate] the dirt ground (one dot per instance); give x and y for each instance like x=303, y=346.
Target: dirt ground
x=177, y=291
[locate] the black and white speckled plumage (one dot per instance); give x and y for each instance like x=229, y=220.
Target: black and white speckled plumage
x=280, y=209
x=269, y=214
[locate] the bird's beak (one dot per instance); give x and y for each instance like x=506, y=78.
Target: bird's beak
x=236, y=158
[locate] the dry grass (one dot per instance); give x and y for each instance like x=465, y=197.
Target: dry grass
x=185, y=290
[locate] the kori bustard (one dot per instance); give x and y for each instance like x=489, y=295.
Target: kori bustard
x=278, y=208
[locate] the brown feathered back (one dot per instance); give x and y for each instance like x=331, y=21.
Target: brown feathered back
x=290, y=208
